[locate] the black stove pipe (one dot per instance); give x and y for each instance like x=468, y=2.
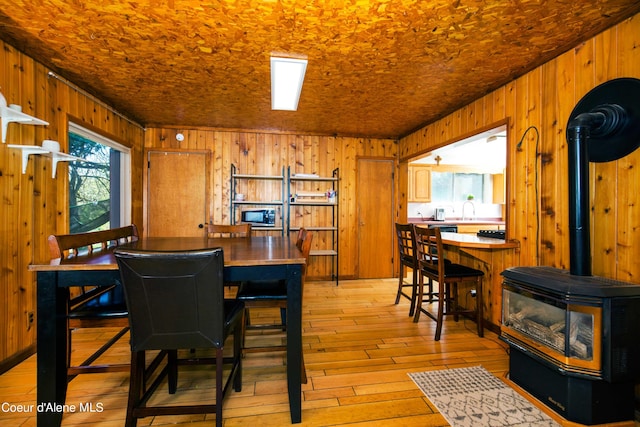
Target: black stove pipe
x=601, y=121
x=579, y=225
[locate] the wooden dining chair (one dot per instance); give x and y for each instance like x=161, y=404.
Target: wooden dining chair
x=90, y=306
x=273, y=294
x=176, y=303
x=227, y=230
x=448, y=275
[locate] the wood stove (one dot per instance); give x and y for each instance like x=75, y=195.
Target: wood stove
x=573, y=337
x=573, y=341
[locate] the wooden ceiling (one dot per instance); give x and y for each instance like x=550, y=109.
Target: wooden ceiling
x=377, y=68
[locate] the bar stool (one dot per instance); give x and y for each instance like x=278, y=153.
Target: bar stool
x=408, y=259
x=448, y=275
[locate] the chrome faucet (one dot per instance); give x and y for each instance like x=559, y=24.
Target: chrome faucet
x=473, y=209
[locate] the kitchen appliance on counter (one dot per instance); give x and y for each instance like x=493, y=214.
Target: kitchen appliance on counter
x=493, y=234
x=445, y=228
x=439, y=214
x=259, y=217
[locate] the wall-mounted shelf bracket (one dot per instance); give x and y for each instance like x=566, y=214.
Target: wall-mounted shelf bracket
x=56, y=157
x=13, y=114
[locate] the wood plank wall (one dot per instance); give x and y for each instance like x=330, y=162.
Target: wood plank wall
x=258, y=153
x=538, y=204
x=34, y=205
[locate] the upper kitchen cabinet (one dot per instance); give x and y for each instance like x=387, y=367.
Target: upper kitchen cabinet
x=419, y=184
x=499, y=189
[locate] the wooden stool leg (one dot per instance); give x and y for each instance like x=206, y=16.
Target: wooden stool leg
x=452, y=298
x=400, y=283
x=414, y=291
x=479, y=307
x=420, y=292
x=442, y=291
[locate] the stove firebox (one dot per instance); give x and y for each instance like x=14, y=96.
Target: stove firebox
x=574, y=341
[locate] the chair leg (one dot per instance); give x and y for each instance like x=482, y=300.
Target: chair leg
x=135, y=386
x=414, y=291
x=283, y=318
x=219, y=387
x=172, y=361
x=452, y=297
x=479, y=307
x=238, y=344
x=430, y=290
x=442, y=289
x=303, y=373
x=400, y=283
x=420, y=292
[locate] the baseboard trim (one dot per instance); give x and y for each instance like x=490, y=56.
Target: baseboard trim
x=17, y=358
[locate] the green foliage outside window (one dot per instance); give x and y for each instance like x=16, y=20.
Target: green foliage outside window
x=89, y=185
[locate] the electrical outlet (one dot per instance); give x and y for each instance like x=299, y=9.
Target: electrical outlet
x=30, y=319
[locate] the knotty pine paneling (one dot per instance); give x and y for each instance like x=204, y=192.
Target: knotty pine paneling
x=537, y=207
x=34, y=205
x=267, y=154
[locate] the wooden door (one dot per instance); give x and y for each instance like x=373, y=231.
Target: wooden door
x=375, y=218
x=177, y=188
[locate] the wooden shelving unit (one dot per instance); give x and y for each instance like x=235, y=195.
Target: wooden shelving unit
x=317, y=199
x=259, y=180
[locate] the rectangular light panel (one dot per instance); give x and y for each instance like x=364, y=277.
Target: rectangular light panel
x=287, y=75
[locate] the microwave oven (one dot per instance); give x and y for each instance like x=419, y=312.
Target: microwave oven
x=259, y=217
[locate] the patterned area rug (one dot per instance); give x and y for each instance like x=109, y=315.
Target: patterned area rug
x=474, y=397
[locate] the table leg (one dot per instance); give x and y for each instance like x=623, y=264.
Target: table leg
x=52, y=350
x=294, y=341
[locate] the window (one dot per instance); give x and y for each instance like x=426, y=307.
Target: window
x=450, y=187
x=100, y=186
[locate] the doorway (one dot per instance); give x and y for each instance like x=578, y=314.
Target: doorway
x=177, y=189
x=374, y=183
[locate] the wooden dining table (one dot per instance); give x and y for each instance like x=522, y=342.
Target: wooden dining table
x=257, y=257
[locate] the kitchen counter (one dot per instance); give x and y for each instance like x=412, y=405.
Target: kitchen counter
x=458, y=221
x=472, y=241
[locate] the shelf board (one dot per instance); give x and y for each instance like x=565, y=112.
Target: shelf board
x=323, y=252
x=312, y=203
x=310, y=178
x=256, y=202
x=243, y=176
x=56, y=157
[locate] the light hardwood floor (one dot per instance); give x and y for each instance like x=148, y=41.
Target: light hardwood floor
x=358, y=348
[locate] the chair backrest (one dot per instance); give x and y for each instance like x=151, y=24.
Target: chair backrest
x=300, y=237
x=406, y=244
x=175, y=299
x=305, y=238
x=72, y=245
x=429, y=250
x=226, y=230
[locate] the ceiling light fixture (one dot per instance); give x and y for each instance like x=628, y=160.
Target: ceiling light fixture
x=287, y=75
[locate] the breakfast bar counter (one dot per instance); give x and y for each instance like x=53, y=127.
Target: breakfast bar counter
x=490, y=255
x=473, y=241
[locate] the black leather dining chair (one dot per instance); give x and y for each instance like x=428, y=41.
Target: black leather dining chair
x=176, y=302
x=448, y=275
